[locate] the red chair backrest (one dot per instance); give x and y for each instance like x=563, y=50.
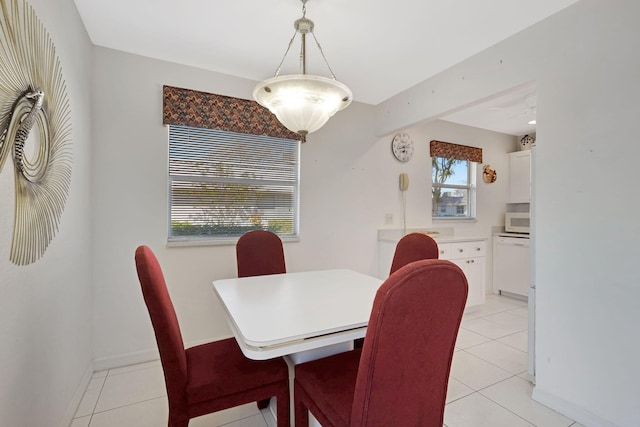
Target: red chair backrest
x=165, y=323
x=413, y=247
x=407, y=353
x=260, y=252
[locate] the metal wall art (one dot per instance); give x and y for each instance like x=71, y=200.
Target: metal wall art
x=35, y=129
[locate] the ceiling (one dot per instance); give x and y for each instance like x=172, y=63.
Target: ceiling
x=378, y=48
x=508, y=112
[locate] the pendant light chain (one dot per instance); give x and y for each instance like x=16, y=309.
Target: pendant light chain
x=333, y=76
x=303, y=47
x=285, y=53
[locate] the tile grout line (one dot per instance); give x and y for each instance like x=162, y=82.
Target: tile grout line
x=111, y=373
x=130, y=371
x=93, y=410
x=493, y=401
x=243, y=418
x=509, y=410
x=130, y=404
x=501, y=381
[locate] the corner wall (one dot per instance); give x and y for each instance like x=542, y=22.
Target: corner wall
x=45, y=307
x=586, y=65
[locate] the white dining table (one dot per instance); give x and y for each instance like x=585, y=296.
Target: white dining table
x=303, y=315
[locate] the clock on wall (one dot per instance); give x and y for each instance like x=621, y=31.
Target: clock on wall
x=402, y=147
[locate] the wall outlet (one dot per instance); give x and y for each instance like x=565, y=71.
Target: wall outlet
x=388, y=219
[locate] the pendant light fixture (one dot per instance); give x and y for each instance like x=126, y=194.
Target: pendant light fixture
x=303, y=103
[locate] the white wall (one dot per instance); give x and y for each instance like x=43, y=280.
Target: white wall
x=586, y=65
x=349, y=181
x=491, y=201
x=130, y=185
x=45, y=307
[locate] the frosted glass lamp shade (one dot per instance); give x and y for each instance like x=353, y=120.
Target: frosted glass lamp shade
x=302, y=103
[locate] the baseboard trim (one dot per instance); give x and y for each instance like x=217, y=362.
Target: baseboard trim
x=67, y=419
x=569, y=409
x=111, y=362
x=142, y=356
x=102, y=363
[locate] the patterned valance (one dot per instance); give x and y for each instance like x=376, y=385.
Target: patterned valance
x=186, y=107
x=455, y=151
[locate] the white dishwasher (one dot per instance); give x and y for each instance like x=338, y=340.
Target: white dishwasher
x=511, y=264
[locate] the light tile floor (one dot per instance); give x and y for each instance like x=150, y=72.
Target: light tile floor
x=488, y=384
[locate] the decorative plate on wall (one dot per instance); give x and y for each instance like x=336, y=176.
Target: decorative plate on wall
x=35, y=129
x=489, y=174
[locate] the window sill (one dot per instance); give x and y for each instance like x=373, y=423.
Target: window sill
x=453, y=219
x=178, y=242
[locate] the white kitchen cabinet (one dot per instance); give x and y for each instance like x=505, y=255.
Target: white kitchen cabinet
x=470, y=257
x=466, y=252
x=511, y=264
x=519, y=177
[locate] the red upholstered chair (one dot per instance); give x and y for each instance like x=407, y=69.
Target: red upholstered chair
x=260, y=252
x=208, y=377
x=413, y=247
x=399, y=378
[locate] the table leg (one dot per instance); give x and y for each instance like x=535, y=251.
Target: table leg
x=306, y=356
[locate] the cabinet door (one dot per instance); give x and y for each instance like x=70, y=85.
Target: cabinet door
x=519, y=177
x=470, y=257
x=473, y=268
x=511, y=265
x=475, y=273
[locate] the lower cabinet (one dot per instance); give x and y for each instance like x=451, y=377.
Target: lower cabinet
x=470, y=257
x=467, y=253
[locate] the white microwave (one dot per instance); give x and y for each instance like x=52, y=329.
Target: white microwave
x=517, y=222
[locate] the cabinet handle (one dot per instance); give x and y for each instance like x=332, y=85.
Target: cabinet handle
x=477, y=249
x=441, y=252
x=460, y=250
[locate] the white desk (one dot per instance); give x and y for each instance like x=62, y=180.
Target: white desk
x=303, y=315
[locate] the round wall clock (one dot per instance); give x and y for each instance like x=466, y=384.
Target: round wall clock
x=402, y=147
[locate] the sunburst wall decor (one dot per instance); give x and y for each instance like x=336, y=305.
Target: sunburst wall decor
x=35, y=129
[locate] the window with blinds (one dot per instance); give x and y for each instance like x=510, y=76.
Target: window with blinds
x=223, y=184
x=453, y=180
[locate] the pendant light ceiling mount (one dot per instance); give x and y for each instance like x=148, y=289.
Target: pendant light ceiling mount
x=303, y=25
x=303, y=103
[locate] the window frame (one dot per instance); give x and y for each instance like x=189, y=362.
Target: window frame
x=201, y=240
x=470, y=188
x=473, y=157
x=203, y=110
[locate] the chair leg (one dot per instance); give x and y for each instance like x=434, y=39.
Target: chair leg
x=283, y=409
x=301, y=414
x=178, y=423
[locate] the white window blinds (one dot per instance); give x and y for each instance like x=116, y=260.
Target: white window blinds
x=223, y=184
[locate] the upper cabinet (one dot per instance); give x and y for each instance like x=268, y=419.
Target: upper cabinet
x=519, y=177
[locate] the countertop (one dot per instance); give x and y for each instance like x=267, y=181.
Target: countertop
x=440, y=235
